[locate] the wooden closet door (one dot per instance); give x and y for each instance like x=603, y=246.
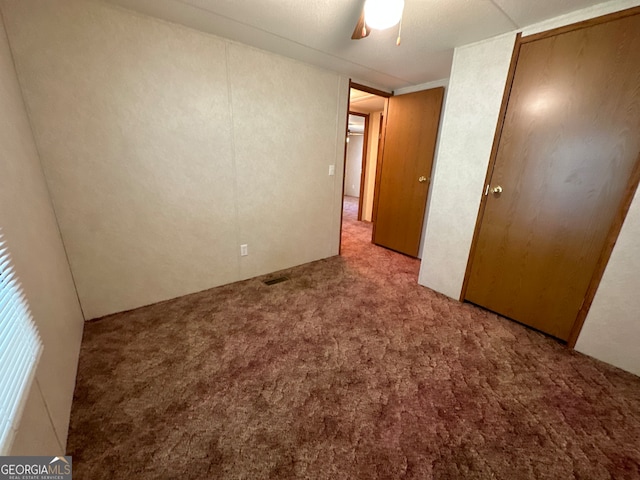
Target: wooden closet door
x=569, y=144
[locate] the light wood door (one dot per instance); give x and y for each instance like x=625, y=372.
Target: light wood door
x=568, y=148
x=405, y=169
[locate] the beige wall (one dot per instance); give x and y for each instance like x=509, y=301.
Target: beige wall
x=165, y=149
x=611, y=331
x=476, y=86
x=469, y=120
x=353, y=170
x=29, y=227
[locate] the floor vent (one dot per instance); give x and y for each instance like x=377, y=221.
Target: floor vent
x=273, y=281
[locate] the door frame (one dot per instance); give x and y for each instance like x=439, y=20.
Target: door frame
x=629, y=193
x=376, y=185
x=365, y=151
x=373, y=91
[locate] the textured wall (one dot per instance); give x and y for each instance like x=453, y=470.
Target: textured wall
x=353, y=170
x=165, y=149
x=471, y=111
x=470, y=114
x=29, y=227
x=611, y=331
x=288, y=122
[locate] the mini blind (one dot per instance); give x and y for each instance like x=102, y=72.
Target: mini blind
x=20, y=349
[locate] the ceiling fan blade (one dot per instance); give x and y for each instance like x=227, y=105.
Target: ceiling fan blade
x=361, y=29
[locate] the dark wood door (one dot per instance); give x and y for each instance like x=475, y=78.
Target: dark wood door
x=568, y=148
x=404, y=174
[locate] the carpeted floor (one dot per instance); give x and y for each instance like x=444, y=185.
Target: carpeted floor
x=349, y=370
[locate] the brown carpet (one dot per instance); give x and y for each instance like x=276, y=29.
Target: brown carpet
x=349, y=370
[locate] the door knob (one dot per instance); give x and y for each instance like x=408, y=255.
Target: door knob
x=422, y=179
x=497, y=190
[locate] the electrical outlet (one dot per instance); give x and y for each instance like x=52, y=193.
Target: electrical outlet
x=244, y=251
x=332, y=170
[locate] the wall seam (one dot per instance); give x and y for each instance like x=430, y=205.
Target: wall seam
x=234, y=167
x=46, y=407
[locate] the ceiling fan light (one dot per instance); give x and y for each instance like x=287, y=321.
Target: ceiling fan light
x=383, y=14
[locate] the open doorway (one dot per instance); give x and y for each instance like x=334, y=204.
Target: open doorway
x=366, y=113
x=400, y=139
x=356, y=159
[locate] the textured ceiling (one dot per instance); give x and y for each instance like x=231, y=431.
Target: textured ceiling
x=319, y=31
x=363, y=102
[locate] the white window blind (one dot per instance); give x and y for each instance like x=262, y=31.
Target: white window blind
x=20, y=348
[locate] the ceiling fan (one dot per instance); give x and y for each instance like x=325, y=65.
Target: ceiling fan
x=379, y=15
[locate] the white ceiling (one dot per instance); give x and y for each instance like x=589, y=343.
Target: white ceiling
x=365, y=102
x=319, y=31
